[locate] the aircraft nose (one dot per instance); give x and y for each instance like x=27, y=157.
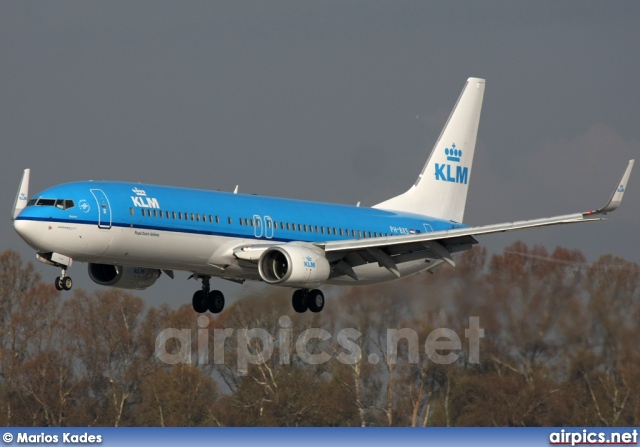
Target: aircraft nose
x=24, y=228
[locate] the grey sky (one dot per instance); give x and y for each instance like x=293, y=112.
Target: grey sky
x=326, y=100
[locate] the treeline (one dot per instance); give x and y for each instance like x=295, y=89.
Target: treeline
x=560, y=347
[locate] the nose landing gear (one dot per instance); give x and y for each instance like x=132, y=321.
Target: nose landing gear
x=62, y=282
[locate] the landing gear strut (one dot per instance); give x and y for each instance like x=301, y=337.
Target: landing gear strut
x=206, y=299
x=63, y=282
x=305, y=299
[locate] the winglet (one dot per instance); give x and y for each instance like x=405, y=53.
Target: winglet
x=616, y=197
x=22, y=196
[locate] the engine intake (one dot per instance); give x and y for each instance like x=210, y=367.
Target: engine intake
x=123, y=277
x=293, y=265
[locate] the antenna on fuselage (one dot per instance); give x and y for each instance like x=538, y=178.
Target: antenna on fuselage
x=235, y=191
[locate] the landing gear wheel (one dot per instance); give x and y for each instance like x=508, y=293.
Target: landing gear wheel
x=215, y=301
x=299, y=301
x=67, y=283
x=63, y=283
x=199, y=302
x=315, y=300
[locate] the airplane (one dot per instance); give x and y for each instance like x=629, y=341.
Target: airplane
x=129, y=233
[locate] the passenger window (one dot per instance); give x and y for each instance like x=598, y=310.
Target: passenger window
x=197, y=217
x=230, y=220
x=217, y=219
x=359, y=233
x=240, y=221
x=131, y=211
x=155, y=213
x=305, y=228
x=143, y=211
x=288, y=226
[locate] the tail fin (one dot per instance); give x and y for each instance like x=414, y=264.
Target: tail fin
x=441, y=188
x=22, y=196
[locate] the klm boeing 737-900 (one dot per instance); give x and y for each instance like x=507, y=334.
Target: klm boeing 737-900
x=129, y=233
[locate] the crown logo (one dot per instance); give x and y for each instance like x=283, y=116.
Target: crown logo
x=453, y=154
x=621, y=188
x=139, y=192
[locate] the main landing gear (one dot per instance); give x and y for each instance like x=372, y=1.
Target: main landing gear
x=304, y=299
x=206, y=299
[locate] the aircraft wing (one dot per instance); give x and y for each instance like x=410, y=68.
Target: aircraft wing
x=441, y=244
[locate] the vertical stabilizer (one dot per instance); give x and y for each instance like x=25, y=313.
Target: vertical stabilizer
x=441, y=188
x=22, y=196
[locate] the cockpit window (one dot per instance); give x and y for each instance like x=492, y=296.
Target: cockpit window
x=63, y=204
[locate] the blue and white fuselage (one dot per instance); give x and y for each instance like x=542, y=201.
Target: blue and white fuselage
x=195, y=230
x=129, y=233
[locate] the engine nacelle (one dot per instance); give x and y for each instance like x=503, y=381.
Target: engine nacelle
x=293, y=265
x=123, y=277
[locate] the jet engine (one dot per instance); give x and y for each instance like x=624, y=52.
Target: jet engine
x=123, y=277
x=294, y=265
